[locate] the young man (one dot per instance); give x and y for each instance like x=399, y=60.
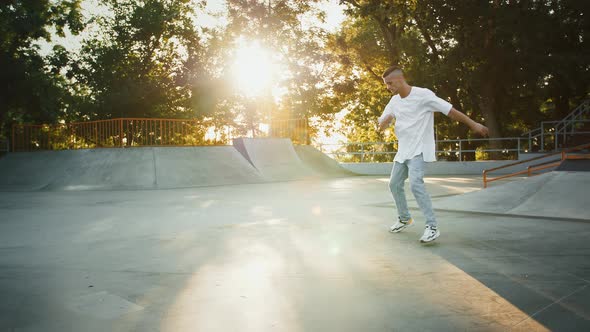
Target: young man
x=413, y=110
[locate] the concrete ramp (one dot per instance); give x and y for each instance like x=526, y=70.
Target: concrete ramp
x=202, y=166
x=574, y=165
x=554, y=194
x=105, y=169
x=142, y=168
x=28, y=171
x=320, y=162
x=274, y=158
x=125, y=169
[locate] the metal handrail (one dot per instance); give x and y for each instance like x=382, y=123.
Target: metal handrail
x=437, y=141
x=566, y=118
x=575, y=112
x=558, y=127
x=530, y=132
x=459, y=150
x=132, y=119
x=578, y=157
x=127, y=132
x=563, y=153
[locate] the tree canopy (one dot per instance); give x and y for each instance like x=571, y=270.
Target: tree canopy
x=510, y=64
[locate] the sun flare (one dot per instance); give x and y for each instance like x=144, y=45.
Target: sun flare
x=254, y=69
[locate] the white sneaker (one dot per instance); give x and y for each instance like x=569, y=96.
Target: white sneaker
x=400, y=225
x=430, y=234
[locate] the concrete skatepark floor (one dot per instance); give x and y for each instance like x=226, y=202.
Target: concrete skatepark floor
x=291, y=256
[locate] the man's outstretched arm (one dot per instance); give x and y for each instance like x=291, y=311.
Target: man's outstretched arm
x=474, y=126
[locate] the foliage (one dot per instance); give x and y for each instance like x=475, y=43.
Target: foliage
x=485, y=57
x=140, y=61
x=32, y=88
x=507, y=63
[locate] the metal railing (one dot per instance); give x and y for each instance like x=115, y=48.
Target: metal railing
x=552, y=135
x=449, y=149
x=533, y=168
x=131, y=132
x=296, y=129
x=106, y=133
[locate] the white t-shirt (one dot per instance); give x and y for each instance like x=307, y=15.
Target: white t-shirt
x=414, y=122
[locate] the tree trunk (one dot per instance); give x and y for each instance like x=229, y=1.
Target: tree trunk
x=488, y=107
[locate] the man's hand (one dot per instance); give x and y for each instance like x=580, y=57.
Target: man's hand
x=383, y=124
x=476, y=127
x=481, y=129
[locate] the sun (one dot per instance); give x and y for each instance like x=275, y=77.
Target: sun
x=253, y=69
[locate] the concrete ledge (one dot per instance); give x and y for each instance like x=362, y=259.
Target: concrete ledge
x=438, y=167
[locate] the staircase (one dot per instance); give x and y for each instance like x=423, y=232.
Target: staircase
x=570, y=131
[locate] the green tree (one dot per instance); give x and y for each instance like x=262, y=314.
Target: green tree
x=32, y=88
x=140, y=60
x=482, y=56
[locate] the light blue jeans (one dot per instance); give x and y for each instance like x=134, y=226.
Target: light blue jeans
x=415, y=169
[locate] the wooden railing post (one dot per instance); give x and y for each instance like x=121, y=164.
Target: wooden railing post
x=49, y=137
x=121, y=132
x=13, y=142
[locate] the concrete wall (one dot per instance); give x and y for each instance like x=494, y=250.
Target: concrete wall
x=439, y=167
x=451, y=167
x=435, y=168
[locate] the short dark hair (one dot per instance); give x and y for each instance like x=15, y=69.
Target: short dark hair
x=391, y=70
